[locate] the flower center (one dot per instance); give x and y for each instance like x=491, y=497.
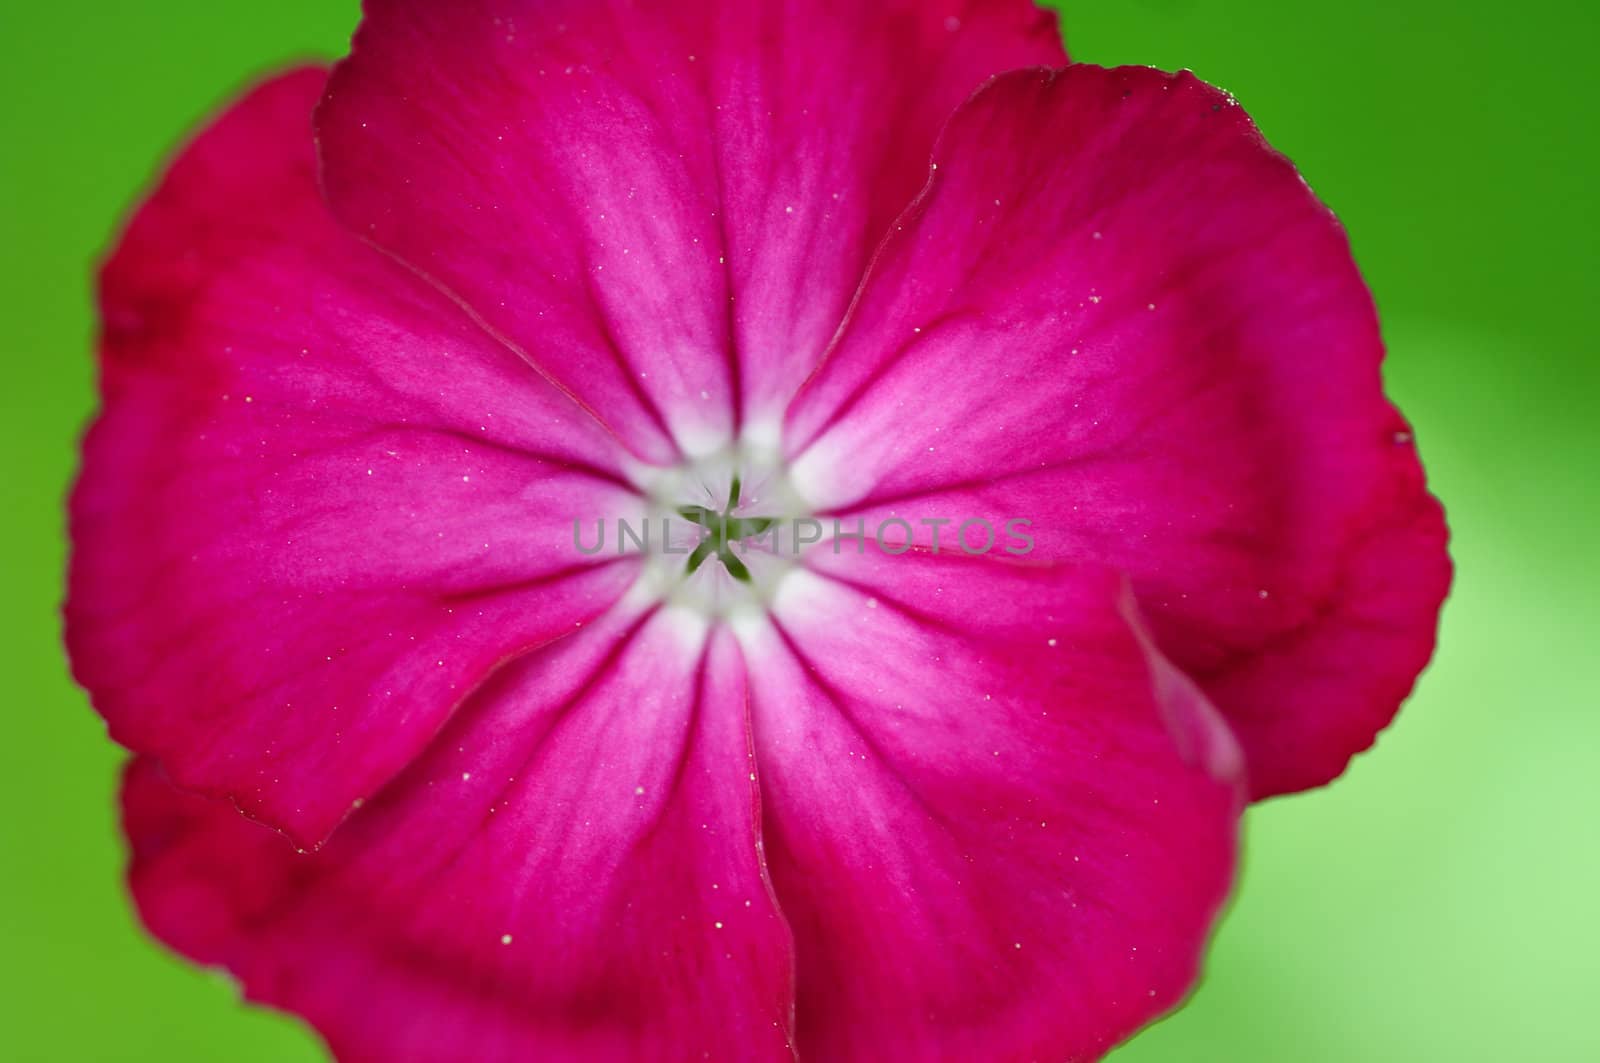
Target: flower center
x=730, y=528
x=724, y=532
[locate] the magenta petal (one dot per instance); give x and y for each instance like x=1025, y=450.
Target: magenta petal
x=572, y=872
x=666, y=206
x=999, y=825
x=321, y=504
x=1116, y=313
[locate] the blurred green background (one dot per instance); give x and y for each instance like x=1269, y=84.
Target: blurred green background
x=1438, y=903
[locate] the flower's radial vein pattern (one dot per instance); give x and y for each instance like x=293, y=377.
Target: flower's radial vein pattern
x=310, y=475
x=570, y=262
x=1117, y=313
x=982, y=831
x=638, y=192
x=570, y=872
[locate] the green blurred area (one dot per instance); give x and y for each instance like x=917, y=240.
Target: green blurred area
x=1438, y=903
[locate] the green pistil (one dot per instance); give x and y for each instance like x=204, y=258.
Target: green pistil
x=725, y=529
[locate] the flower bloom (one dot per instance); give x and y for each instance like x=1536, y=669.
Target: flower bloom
x=380, y=339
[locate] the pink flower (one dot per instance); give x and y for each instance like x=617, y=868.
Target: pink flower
x=588, y=262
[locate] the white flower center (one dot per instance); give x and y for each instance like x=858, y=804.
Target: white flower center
x=719, y=533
